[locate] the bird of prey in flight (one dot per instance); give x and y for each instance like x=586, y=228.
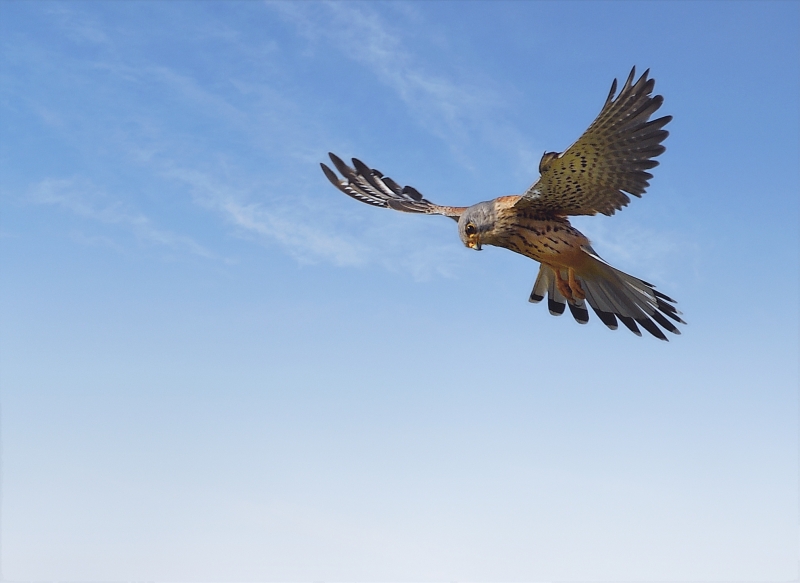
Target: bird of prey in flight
x=591, y=176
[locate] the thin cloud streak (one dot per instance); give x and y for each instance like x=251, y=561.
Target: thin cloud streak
x=310, y=232
x=304, y=241
x=448, y=110
x=83, y=199
x=271, y=121
x=453, y=112
x=457, y=113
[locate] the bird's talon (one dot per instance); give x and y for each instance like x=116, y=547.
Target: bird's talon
x=575, y=286
x=563, y=286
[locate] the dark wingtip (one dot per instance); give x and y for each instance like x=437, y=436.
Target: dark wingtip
x=330, y=174
x=343, y=168
x=412, y=192
x=362, y=168
x=613, y=90
x=629, y=80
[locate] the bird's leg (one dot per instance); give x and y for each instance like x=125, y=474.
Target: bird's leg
x=570, y=288
x=575, y=285
x=562, y=285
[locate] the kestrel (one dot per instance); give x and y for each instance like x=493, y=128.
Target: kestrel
x=592, y=176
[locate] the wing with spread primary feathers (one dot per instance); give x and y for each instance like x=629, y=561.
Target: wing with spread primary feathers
x=372, y=187
x=611, y=158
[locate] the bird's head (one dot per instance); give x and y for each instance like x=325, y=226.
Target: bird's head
x=476, y=223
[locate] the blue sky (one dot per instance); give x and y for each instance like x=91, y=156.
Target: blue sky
x=214, y=366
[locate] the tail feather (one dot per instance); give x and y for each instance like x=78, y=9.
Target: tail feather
x=576, y=307
x=605, y=314
x=651, y=327
x=541, y=286
x=614, y=296
x=630, y=324
x=668, y=309
x=617, y=294
x=600, y=304
x=555, y=301
x=664, y=323
x=627, y=313
x=579, y=312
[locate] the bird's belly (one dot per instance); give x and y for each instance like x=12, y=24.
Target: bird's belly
x=555, y=243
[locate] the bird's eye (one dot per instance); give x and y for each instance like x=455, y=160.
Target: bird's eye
x=470, y=229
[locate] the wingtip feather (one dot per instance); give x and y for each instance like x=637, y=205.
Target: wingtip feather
x=330, y=175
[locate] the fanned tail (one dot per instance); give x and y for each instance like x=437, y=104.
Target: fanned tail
x=613, y=295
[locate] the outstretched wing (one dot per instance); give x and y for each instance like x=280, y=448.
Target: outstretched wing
x=611, y=158
x=372, y=187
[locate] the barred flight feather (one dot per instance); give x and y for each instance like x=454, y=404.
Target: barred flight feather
x=370, y=186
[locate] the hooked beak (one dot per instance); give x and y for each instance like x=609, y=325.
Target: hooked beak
x=475, y=243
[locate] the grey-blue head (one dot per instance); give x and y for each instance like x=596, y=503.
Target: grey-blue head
x=475, y=223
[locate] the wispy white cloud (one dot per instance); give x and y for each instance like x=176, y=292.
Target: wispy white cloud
x=294, y=220
x=461, y=112
x=91, y=240
x=278, y=202
x=452, y=111
x=285, y=226
x=457, y=111
x=82, y=198
x=312, y=231
x=78, y=25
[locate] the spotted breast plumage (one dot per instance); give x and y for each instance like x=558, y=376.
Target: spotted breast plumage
x=592, y=176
